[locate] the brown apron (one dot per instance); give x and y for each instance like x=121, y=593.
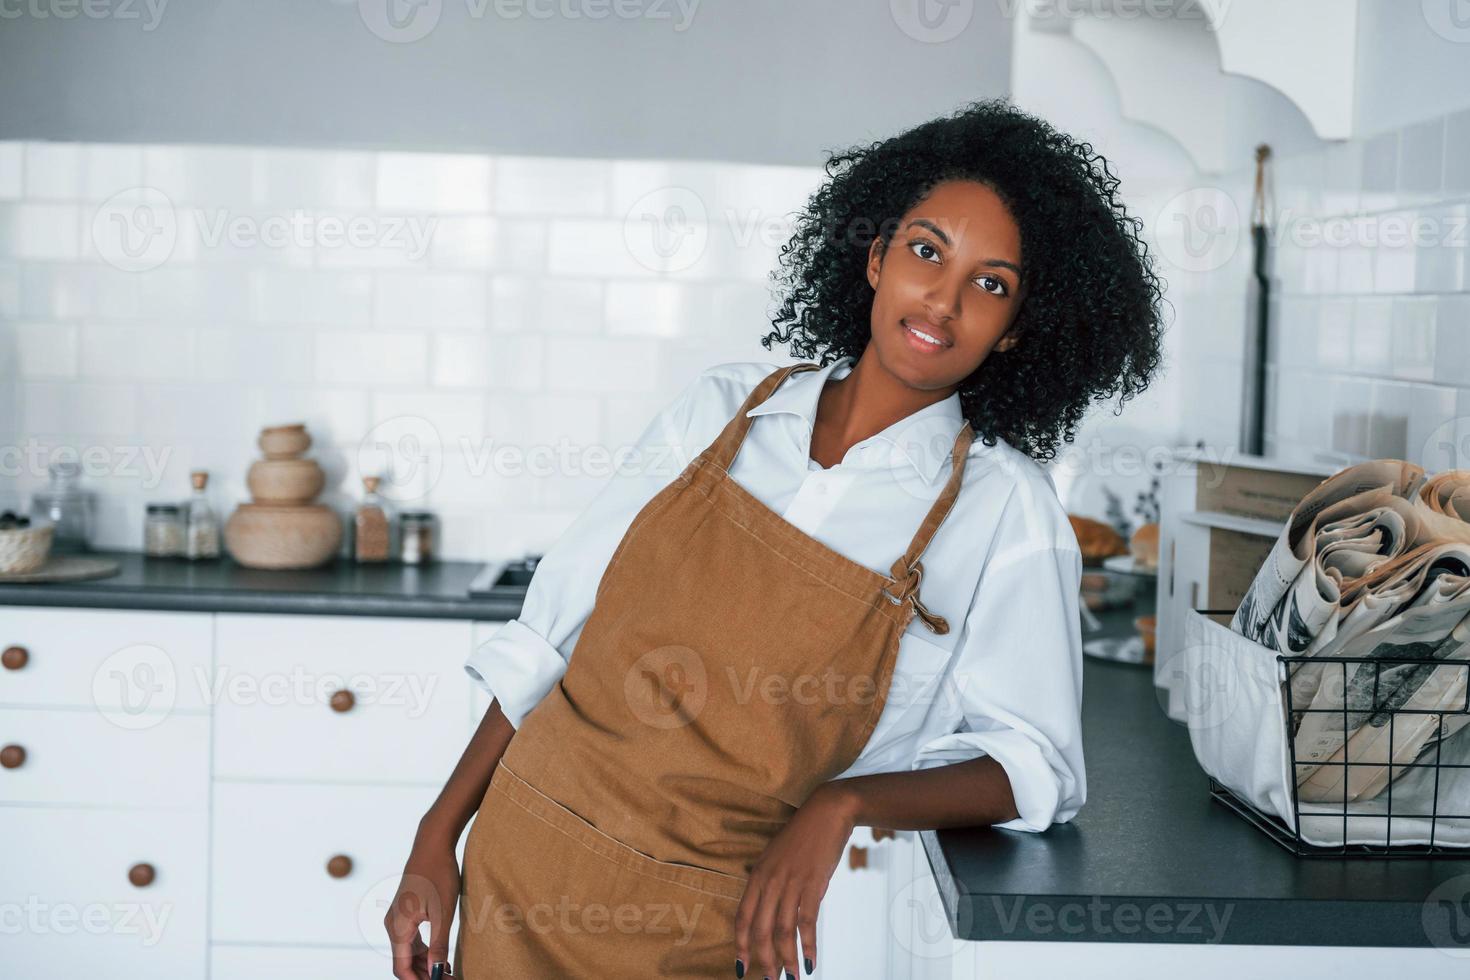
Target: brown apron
x=730, y=666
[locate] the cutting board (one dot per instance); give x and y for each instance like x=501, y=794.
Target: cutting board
x=65, y=568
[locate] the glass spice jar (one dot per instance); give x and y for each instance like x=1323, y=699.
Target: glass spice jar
x=370, y=524
x=416, y=534
x=163, y=531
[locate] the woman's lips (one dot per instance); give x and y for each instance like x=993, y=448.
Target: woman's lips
x=918, y=343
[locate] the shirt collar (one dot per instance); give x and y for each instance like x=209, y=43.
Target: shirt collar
x=923, y=440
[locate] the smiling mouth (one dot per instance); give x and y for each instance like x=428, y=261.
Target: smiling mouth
x=925, y=338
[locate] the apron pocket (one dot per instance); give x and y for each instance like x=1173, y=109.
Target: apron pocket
x=704, y=880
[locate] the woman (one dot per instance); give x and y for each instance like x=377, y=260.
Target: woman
x=722, y=669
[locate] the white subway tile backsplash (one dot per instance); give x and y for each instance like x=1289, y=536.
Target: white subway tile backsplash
x=455, y=421
x=52, y=171
x=439, y=300
x=463, y=242
x=551, y=306
x=342, y=183
x=460, y=360
x=251, y=355
x=198, y=411
x=1372, y=338
x=525, y=421
x=1413, y=328
x=194, y=294
x=552, y=186
x=1431, y=424
x=1452, y=340
x=607, y=366
x=518, y=363
x=52, y=407
x=142, y=352
x=368, y=358
x=10, y=289
x=1420, y=163
x=520, y=304
x=12, y=170
x=1380, y=172
x=448, y=183
x=1456, y=154
x=343, y=299
x=1388, y=426
x=33, y=350
x=201, y=176
x=40, y=231
x=107, y=170
x=659, y=309
x=640, y=247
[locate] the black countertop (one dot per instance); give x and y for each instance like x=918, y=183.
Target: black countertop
x=437, y=590
x=1151, y=857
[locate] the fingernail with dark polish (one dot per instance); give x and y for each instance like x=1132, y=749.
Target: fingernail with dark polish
x=739, y=969
x=808, y=966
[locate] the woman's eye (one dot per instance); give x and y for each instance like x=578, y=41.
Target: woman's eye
x=992, y=285
x=916, y=247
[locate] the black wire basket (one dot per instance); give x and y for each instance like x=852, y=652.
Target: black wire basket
x=1369, y=705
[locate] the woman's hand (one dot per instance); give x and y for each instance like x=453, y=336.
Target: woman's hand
x=787, y=884
x=429, y=891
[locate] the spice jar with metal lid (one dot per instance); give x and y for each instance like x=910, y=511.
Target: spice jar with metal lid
x=164, y=531
x=417, y=531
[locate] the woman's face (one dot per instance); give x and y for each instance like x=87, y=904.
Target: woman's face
x=952, y=271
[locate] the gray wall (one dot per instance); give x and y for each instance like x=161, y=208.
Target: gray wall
x=763, y=81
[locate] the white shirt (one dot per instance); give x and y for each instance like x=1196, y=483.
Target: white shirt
x=1004, y=569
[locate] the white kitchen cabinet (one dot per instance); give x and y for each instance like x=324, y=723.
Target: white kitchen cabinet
x=120, y=662
x=297, y=963
x=270, y=880
x=402, y=698
x=147, y=734
x=83, y=757
x=71, y=908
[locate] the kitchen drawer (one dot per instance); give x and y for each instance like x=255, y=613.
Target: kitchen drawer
x=71, y=909
x=272, y=845
x=77, y=756
x=118, y=661
x=407, y=720
x=298, y=963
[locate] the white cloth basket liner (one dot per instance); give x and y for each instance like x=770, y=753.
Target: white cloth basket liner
x=1236, y=713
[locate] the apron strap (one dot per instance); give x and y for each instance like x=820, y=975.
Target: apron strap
x=722, y=451
x=908, y=570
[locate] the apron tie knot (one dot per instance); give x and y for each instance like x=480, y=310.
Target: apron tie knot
x=906, y=580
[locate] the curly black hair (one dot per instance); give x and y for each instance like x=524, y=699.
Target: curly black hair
x=1090, y=324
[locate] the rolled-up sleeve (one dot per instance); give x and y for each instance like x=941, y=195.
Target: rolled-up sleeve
x=1018, y=675
x=527, y=656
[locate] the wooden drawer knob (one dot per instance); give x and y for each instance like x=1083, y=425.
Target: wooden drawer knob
x=857, y=857
x=12, y=756
x=883, y=833
x=142, y=874
x=342, y=700
x=15, y=657
x=339, y=866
